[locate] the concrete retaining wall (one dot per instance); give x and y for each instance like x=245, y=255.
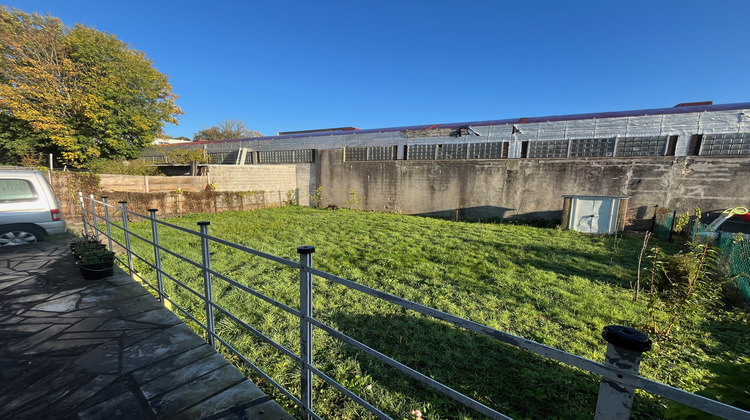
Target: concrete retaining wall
x=534, y=187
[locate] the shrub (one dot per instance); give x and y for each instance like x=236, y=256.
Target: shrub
x=184, y=156
x=117, y=167
x=683, y=285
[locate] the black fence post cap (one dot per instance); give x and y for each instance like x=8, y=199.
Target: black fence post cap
x=626, y=338
x=153, y=210
x=204, y=223
x=104, y=197
x=306, y=249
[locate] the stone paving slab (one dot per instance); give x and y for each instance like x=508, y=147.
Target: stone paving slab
x=105, y=349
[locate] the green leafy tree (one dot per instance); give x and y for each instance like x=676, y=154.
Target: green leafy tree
x=79, y=93
x=226, y=130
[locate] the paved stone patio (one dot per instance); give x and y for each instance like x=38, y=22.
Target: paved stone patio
x=105, y=349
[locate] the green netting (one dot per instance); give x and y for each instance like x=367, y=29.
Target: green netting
x=663, y=221
x=735, y=254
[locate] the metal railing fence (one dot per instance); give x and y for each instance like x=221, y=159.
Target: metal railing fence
x=619, y=373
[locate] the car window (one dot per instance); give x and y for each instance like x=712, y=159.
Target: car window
x=12, y=190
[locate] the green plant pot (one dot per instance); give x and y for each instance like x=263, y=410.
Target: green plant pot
x=97, y=271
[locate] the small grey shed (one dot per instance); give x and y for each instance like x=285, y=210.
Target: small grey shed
x=594, y=214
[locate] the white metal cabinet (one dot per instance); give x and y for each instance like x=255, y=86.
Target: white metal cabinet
x=594, y=214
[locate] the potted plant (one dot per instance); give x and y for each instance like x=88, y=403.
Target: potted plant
x=96, y=262
x=83, y=244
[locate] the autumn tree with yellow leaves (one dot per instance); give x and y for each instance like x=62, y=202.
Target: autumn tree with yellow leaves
x=76, y=92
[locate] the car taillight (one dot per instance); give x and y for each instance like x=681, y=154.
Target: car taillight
x=56, y=216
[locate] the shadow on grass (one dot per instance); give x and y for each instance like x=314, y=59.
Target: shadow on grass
x=731, y=333
x=515, y=382
x=566, y=262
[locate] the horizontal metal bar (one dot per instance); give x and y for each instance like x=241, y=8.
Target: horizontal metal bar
x=110, y=205
x=350, y=394
x=96, y=201
x=141, y=258
x=507, y=338
x=142, y=216
x=146, y=282
x=257, y=294
x=693, y=400
x=123, y=262
x=267, y=256
x=684, y=397
x=148, y=241
x=261, y=373
x=184, y=311
x=180, y=228
x=111, y=223
x=463, y=399
x=231, y=281
x=274, y=258
x=265, y=338
x=171, y=277
x=183, y=285
x=118, y=243
x=176, y=255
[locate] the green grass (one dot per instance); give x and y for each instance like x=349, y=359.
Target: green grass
x=559, y=288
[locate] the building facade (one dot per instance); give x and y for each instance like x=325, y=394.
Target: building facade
x=691, y=155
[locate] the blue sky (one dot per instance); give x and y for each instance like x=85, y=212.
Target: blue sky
x=295, y=65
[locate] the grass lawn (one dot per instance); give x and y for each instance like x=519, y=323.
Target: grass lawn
x=559, y=288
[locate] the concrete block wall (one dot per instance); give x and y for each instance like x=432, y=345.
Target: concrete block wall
x=253, y=177
x=275, y=180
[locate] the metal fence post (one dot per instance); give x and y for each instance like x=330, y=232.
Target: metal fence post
x=127, y=235
x=83, y=214
x=623, y=352
x=306, y=339
x=106, y=221
x=207, y=282
x=95, y=222
x=157, y=255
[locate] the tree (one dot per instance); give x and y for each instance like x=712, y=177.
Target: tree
x=225, y=130
x=79, y=93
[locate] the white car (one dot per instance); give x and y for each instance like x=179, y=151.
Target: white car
x=29, y=209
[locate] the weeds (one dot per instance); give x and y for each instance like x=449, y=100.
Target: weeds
x=354, y=198
x=292, y=198
x=317, y=198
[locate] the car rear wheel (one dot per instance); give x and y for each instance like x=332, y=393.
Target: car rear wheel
x=12, y=236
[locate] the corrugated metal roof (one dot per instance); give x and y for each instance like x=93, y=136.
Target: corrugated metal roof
x=523, y=120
